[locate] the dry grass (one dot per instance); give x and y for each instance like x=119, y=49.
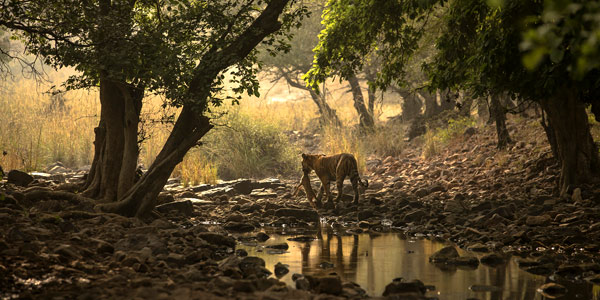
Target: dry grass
x=35, y=131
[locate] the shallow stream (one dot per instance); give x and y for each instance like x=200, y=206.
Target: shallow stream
x=374, y=260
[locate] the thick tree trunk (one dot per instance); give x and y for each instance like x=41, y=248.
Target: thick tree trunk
x=116, y=153
x=498, y=112
x=365, y=119
x=92, y=181
x=133, y=106
x=191, y=125
x=577, y=153
x=141, y=198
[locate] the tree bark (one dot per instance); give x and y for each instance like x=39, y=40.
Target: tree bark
x=365, y=119
x=411, y=107
x=498, y=112
x=371, y=95
x=192, y=125
x=577, y=153
x=328, y=114
x=141, y=198
x=431, y=106
x=116, y=149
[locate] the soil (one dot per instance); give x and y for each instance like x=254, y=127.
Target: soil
x=469, y=195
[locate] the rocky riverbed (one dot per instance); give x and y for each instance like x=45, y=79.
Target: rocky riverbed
x=469, y=195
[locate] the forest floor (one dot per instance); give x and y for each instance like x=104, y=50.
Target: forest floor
x=469, y=195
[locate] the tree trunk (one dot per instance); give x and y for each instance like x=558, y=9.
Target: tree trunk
x=328, y=114
x=447, y=100
x=483, y=111
x=192, y=125
x=431, y=106
x=371, y=95
x=577, y=153
x=498, y=112
x=141, y=198
x=365, y=119
x=411, y=107
x=116, y=150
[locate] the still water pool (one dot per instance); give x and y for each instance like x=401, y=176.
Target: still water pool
x=374, y=260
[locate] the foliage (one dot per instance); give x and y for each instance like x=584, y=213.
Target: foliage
x=250, y=148
x=387, y=140
x=565, y=26
x=455, y=129
x=355, y=30
x=150, y=45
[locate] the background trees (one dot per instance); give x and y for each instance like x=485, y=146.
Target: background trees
x=481, y=49
x=179, y=49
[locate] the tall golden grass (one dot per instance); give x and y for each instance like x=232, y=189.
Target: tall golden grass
x=249, y=142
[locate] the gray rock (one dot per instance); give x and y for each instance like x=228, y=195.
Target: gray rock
x=217, y=239
x=492, y=259
x=365, y=214
x=406, y=290
x=329, y=285
x=238, y=227
x=263, y=193
x=243, y=186
x=552, y=290
x=538, y=220
x=444, y=254
x=280, y=246
x=415, y=216
x=281, y=269
x=184, y=207
x=19, y=178
x=261, y=237
x=218, y=191
x=308, y=215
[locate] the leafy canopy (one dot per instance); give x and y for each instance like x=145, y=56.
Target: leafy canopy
x=157, y=45
x=355, y=29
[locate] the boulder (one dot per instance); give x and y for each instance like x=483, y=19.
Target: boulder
x=19, y=178
x=443, y=255
x=538, y=220
x=184, y=207
x=405, y=290
x=217, y=239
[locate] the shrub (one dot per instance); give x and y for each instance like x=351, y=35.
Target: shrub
x=250, y=148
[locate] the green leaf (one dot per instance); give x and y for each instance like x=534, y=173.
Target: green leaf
x=556, y=55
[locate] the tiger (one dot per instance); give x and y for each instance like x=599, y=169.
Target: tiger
x=335, y=167
x=310, y=194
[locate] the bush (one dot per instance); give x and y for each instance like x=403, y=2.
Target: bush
x=250, y=148
x=455, y=129
x=386, y=140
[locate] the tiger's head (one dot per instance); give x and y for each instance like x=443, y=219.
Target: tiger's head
x=308, y=161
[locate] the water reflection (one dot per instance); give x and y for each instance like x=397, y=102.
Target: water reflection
x=373, y=261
